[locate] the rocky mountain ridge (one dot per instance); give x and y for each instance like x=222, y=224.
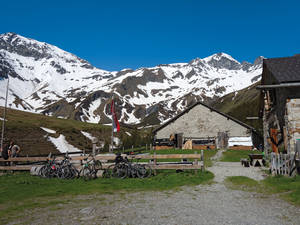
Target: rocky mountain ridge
x=45, y=79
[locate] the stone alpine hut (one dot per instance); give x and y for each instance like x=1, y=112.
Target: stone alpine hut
x=204, y=127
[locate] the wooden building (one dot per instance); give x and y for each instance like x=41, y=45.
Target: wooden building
x=280, y=103
x=204, y=127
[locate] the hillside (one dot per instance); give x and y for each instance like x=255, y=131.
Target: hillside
x=242, y=104
x=27, y=129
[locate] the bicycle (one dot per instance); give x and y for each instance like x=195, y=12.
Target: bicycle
x=49, y=170
x=139, y=170
x=90, y=168
x=124, y=168
x=66, y=169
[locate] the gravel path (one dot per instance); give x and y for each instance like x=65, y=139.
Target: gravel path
x=203, y=204
x=221, y=170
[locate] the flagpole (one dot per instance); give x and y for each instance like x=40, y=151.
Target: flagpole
x=112, y=138
x=112, y=127
x=4, y=116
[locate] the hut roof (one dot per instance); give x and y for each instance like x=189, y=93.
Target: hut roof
x=284, y=70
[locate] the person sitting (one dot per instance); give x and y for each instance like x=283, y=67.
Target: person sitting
x=15, y=151
x=118, y=158
x=5, y=153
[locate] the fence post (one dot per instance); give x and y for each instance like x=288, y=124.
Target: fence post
x=154, y=161
x=285, y=164
x=195, y=162
x=94, y=142
x=278, y=163
x=272, y=162
x=289, y=163
x=202, y=159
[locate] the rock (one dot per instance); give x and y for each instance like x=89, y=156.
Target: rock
x=87, y=210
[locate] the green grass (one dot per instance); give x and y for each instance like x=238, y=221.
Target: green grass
x=241, y=104
x=242, y=183
x=287, y=187
x=25, y=129
x=22, y=191
x=237, y=155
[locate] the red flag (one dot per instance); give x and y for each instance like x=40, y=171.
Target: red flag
x=115, y=122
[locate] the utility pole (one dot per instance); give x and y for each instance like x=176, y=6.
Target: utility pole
x=4, y=115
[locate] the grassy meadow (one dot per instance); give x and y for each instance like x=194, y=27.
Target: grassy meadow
x=287, y=187
x=21, y=191
x=237, y=155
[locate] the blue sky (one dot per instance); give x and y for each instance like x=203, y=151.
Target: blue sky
x=113, y=35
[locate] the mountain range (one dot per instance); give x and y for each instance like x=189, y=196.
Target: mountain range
x=46, y=79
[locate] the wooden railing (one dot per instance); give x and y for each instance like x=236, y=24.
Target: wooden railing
x=196, y=164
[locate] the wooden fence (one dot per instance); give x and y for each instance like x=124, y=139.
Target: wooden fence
x=196, y=164
x=281, y=163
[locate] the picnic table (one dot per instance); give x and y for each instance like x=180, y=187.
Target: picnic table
x=256, y=159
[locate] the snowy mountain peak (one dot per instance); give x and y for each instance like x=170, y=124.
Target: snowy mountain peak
x=26, y=47
x=219, y=56
x=49, y=80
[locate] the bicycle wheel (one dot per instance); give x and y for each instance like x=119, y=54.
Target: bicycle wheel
x=66, y=172
x=42, y=171
x=120, y=171
x=144, y=171
x=86, y=173
x=61, y=172
x=98, y=165
x=108, y=171
x=48, y=172
x=73, y=172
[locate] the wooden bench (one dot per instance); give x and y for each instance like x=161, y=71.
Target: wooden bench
x=256, y=159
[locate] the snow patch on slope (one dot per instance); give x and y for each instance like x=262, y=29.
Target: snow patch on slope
x=62, y=145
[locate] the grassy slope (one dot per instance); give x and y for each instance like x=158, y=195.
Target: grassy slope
x=25, y=129
x=244, y=104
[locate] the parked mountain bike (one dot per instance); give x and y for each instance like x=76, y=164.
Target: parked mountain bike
x=49, y=170
x=63, y=169
x=90, y=168
x=124, y=168
x=138, y=170
x=66, y=169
